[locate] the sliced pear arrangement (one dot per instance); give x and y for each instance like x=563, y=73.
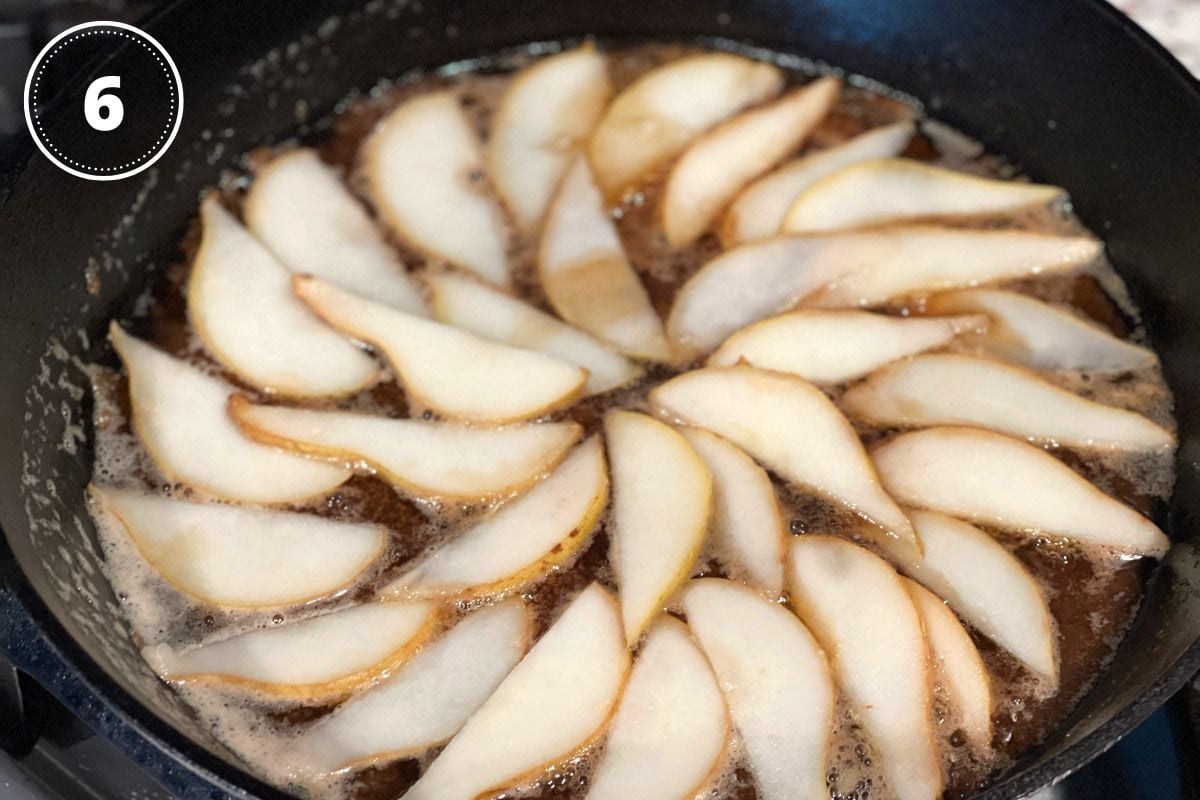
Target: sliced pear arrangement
x=662, y=502
x=758, y=211
x=858, y=609
x=657, y=116
x=450, y=371
x=747, y=527
x=586, y=276
x=525, y=539
x=898, y=189
x=242, y=557
x=719, y=163
x=1039, y=335
x=418, y=165
x=317, y=657
x=492, y=314
x=995, y=479
x=543, y=119
x=952, y=389
x=668, y=734
x=300, y=209
x=555, y=700
x=240, y=303
x=180, y=418
x=776, y=682
x=835, y=346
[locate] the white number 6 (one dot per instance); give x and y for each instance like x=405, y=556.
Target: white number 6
x=103, y=112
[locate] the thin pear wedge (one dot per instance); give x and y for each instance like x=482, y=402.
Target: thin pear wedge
x=492, y=314
x=720, y=162
x=858, y=609
x=554, y=702
x=776, y=682
x=455, y=373
x=240, y=303
x=899, y=189
x=668, y=734
x=1039, y=335
x=831, y=347
x=952, y=389
x=319, y=657
x=299, y=208
x=788, y=425
x=586, y=276
x=998, y=480
x=662, y=503
x=242, y=557
x=180, y=418
x=529, y=536
x=657, y=116
x=543, y=119
x=418, y=164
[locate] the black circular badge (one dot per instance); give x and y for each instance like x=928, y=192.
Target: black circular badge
x=126, y=116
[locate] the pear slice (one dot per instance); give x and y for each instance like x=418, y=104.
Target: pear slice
x=586, y=276
x=759, y=210
x=668, y=734
x=747, y=527
x=543, y=119
x=555, y=700
x=717, y=165
x=299, y=208
x=662, y=502
x=959, y=667
x=857, y=607
x=1038, y=334
x=776, y=682
x=837, y=346
x=492, y=314
x=455, y=373
x=241, y=305
x=525, y=539
x=992, y=478
x=788, y=425
x=419, y=165
x=411, y=710
x=242, y=557
x=897, y=189
x=952, y=389
x=657, y=116
x=179, y=416
x=321, y=656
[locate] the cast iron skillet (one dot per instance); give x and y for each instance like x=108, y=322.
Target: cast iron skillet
x=1070, y=89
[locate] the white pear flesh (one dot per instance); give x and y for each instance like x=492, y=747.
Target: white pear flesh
x=553, y=703
x=468, y=304
x=992, y=478
x=776, y=682
x=658, y=115
x=418, y=164
x=662, y=503
x=300, y=209
x=242, y=557
x=720, y=162
x=543, y=119
x=835, y=346
x=667, y=736
x=858, y=609
x=455, y=373
x=586, y=276
x=241, y=304
x=179, y=415
x=953, y=389
x=899, y=189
